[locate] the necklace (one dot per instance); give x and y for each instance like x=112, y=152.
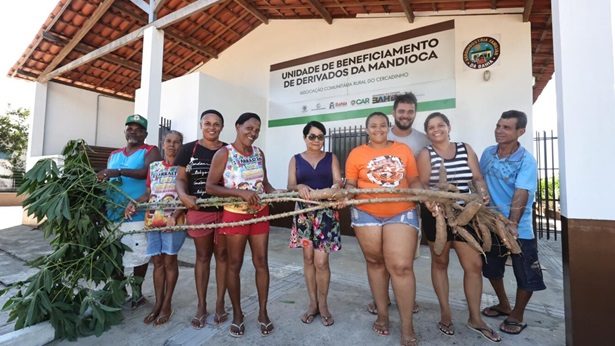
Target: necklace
x=514, y=148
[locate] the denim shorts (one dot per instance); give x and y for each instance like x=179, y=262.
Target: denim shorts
x=167, y=243
x=359, y=218
x=525, y=265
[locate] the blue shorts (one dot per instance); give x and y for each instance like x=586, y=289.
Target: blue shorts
x=167, y=243
x=525, y=265
x=359, y=218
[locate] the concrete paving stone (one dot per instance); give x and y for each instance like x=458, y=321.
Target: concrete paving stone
x=13, y=269
x=349, y=293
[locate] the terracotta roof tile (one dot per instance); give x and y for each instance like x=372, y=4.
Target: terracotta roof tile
x=197, y=38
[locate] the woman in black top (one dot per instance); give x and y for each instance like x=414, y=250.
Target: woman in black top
x=194, y=162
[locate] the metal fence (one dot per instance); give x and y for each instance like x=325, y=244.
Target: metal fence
x=11, y=182
x=163, y=128
x=342, y=140
x=547, y=207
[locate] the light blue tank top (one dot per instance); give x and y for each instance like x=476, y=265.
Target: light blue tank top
x=130, y=186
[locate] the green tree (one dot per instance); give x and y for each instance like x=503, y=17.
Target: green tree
x=14, y=137
x=76, y=286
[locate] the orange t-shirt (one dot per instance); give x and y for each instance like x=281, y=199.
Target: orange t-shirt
x=382, y=168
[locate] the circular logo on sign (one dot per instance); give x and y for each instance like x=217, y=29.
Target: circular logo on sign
x=481, y=52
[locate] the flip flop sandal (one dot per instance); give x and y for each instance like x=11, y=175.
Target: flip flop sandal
x=327, y=321
x=508, y=323
x=446, y=328
x=372, y=309
x=265, y=328
x=162, y=319
x=380, y=329
x=486, y=333
x=411, y=341
x=308, y=318
x=198, y=322
x=241, y=329
x=494, y=311
x=151, y=317
x=220, y=318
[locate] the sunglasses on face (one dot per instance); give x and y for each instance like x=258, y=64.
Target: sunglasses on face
x=312, y=137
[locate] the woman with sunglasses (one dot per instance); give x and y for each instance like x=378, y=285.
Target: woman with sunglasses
x=318, y=232
x=241, y=167
x=462, y=169
x=387, y=232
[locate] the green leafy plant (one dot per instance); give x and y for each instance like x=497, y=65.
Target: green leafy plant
x=78, y=286
x=549, y=190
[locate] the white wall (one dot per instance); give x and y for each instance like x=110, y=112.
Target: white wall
x=73, y=113
x=585, y=106
x=231, y=100
x=479, y=104
x=185, y=98
x=180, y=104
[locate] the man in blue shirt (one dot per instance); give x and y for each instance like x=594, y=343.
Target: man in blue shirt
x=510, y=173
x=128, y=167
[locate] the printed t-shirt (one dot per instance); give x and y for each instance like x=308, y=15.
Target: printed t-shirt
x=504, y=175
x=197, y=161
x=382, y=168
x=245, y=173
x=161, y=181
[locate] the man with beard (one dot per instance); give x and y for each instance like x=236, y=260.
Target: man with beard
x=127, y=168
x=404, y=112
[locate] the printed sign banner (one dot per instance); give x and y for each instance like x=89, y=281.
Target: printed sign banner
x=352, y=81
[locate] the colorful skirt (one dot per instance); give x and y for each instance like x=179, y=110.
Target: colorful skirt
x=318, y=229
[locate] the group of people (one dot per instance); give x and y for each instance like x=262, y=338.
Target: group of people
x=389, y=233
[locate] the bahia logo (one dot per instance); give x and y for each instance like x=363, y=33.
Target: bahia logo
x=388, y=97
x=336, y=104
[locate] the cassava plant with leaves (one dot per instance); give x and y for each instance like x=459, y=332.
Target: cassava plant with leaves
x=78, y=287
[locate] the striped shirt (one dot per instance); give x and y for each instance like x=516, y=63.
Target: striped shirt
x=458, y=170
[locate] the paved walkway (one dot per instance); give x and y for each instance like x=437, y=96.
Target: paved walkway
x=349, y=293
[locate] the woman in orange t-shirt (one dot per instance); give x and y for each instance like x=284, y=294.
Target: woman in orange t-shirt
x=387, y=232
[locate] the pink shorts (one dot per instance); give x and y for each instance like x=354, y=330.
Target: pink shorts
x=197, y=217
x=251, y=229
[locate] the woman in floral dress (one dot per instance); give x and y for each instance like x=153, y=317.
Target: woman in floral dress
x=318, y=233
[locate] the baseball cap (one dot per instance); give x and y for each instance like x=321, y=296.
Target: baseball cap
x=137, y=119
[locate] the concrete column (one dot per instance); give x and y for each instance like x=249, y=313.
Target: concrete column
x=36, y=137
x=585, y=81
x=147, y=102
